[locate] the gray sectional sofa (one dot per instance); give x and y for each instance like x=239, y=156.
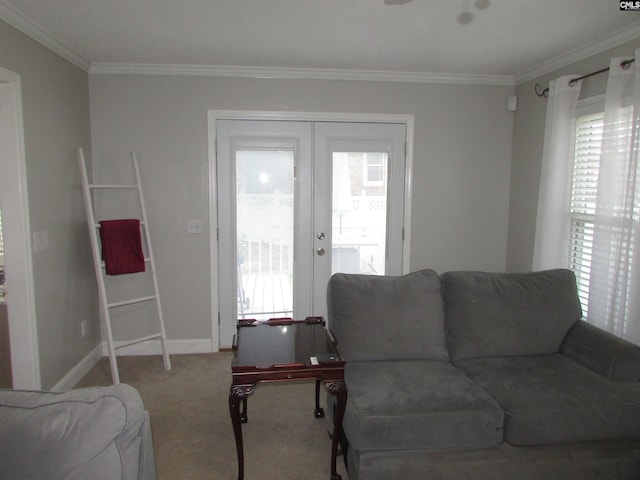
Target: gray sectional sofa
x=98, y=433
x=476, y=375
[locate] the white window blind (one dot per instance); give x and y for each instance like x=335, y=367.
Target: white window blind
x=617, y=224
x=584, y=184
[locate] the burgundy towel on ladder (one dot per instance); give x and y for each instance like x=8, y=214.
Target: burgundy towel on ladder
x=121, y=246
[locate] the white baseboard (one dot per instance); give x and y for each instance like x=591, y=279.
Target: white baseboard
x=152, y=347
x=76, y=374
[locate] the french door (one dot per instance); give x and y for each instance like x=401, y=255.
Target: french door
x=299, y=201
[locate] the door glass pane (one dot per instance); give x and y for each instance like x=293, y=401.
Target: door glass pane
x=264, y=233
x=359, y=212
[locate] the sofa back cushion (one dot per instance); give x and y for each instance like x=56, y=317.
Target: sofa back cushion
x=501, y=314
x=387, y=318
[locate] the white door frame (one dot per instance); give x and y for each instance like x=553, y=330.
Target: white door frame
x=16, y=235
x=331, y=137
x=214, y=115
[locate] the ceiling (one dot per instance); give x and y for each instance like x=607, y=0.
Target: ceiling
x=503, y=40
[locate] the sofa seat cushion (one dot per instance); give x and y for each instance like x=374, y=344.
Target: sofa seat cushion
x=387, y=318
x=551, y=399
x=415, y=405
x=90, y=433
x=501, y=314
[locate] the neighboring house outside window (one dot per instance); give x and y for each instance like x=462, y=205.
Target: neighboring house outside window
x=375, y=169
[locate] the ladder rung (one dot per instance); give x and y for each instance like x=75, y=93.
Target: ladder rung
x=146, y=260
x=138, y=340
x=116, y=187
x=97, y=225
x=132, y=301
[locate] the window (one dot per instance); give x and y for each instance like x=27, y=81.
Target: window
x=375, y=168
x=584, y=184
x=584, y=190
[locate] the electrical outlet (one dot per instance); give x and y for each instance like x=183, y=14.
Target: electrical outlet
x=83, y=327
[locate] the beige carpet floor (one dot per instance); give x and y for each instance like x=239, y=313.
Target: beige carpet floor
x=192, y=433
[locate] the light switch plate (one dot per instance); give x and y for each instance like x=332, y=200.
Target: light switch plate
x=40, y=240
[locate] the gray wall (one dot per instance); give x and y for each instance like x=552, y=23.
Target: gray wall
x=528, y=141
x=461, y=166
x=475, y=185
x=56, y=120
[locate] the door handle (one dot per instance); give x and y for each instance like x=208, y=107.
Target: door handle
x=320, y=235
x=320, y=251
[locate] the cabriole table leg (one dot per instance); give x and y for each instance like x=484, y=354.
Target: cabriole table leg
x=237, y=395
x=319, y=411
x=339, y=389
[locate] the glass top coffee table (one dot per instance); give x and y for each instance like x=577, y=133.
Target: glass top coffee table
x=285, y=350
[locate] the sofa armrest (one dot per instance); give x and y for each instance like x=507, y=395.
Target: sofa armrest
x=602, y=352
x=97, y=433
x=147, y=467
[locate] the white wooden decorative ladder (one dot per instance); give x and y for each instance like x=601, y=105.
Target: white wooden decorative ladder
x=99, y=265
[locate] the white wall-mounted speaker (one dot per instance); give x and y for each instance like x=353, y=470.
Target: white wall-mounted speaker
x=512, y=103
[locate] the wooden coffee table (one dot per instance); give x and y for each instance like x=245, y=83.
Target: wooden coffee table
x=285, y=350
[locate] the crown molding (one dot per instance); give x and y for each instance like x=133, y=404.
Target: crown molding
x=297, y=73
x=611, y=41
x=40, y=35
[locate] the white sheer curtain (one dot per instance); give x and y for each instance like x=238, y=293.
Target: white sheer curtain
x=614, y=292
x=552, y=228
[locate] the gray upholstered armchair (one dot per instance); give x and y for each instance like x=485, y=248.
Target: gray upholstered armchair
x=98, y=433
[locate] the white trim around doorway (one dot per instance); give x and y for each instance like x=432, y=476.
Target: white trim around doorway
x=17, y=239
x=214, y=115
